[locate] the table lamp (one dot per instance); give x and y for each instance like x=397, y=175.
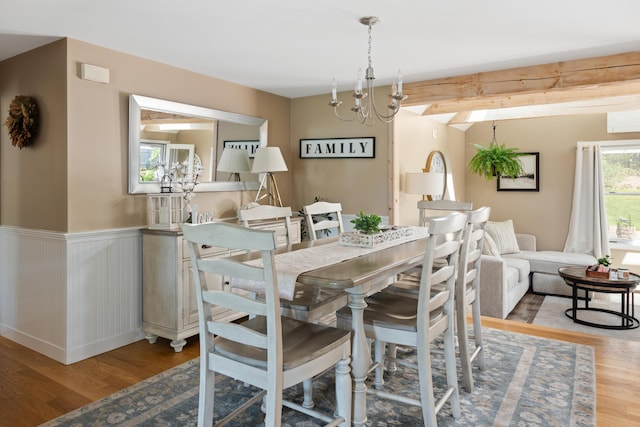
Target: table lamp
x=267, y=161
x=234, y=161
x=424, y=183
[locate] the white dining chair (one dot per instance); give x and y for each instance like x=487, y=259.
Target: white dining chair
x=324, y=210
x=416, y=322
x=268, y=351
x=467, y=294
x=269, y=212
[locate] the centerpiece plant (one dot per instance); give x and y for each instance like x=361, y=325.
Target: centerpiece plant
x=367, y=224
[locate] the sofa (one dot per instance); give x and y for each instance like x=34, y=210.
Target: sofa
x=511, y=266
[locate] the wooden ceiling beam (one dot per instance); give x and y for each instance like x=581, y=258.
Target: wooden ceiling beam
x=567, y=81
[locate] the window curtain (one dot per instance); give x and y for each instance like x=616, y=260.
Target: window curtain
x=588, y=224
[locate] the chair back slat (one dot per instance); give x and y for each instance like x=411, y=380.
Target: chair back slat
x=442, y=207
x=238, y=333
x=323, y=208
x=235, y=237
x=444, y=273
x=269, y=212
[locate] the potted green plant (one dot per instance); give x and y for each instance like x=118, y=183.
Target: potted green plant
x=367, y=224
x=496, y=159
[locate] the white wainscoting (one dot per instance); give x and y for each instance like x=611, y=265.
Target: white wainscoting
x=70, y=296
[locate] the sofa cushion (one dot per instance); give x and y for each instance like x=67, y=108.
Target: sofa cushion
x=489, y=246
x=504, y=235
x=551, y=261
x=521, y=265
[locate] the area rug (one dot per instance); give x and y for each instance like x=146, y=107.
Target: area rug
x=529, y=381
x=551, y=313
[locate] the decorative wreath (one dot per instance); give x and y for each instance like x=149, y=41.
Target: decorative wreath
x=23, y=121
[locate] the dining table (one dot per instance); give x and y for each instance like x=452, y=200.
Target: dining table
x=359, y=271
x=361, y=276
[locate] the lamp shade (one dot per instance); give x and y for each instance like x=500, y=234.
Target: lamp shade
x=424, y=183
x=268, y=159
x=234, y=160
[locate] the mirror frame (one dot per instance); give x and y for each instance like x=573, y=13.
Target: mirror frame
x=139, y=102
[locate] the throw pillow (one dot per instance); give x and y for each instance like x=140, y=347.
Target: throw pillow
x=489, y=246
x=504, y=236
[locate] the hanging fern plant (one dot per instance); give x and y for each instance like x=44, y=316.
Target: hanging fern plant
x=496, y=159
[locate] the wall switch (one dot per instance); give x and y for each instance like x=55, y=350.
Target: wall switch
x=434, y=134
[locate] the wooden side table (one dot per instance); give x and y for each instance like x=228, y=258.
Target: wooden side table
x=577, y=278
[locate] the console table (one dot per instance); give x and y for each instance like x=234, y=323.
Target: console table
x=577, y=278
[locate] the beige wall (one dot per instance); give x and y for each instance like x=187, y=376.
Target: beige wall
x=33, y=186
x=415, y=137
x=80, y=162
x=545, y=213
x=359, y=184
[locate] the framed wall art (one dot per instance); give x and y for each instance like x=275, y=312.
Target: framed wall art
x=250, y=146
x=529, y=181
x=332, y=148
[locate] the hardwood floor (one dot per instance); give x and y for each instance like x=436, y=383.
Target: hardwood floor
x=35, y=389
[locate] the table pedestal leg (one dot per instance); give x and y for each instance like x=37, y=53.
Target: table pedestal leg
x=361, y=359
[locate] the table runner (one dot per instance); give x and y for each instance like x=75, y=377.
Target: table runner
x=289, y=265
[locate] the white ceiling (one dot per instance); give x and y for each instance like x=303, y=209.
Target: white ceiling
x=294, y=48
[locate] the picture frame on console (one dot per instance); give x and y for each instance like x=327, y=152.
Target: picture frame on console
x=529, y=181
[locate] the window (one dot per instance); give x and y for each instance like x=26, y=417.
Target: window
x=621, y=168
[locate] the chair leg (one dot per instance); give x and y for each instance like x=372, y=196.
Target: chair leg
x=463, y=347
x=477, y=334
x=307, y=387
x=392, y=350
x=206, y=396
x=273, y=403
x=450, y=366
x=426, y=386
x=378, y=356
x=343, y=390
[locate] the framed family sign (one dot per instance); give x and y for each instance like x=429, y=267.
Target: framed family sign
x=529, y=181
x=331, y=148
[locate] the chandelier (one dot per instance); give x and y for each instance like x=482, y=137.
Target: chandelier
x=364, y=108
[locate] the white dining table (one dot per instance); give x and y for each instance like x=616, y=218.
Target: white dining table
x=359, y=277
x=360, y=272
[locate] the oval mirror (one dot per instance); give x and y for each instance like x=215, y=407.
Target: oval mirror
x=163, y=133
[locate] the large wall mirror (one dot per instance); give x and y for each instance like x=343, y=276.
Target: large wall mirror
x=164, y=132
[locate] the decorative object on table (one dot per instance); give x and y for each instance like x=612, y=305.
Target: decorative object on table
x=365, y=108
x=429, y=185
x=164, y=210
x=23, y=121
x=234, y=161
x=496, y=160
x=625, y=228
x=529, y=180
x=267, y=161
x=338, y=148
x=367, y=224
x=370, y=233
x=601, y=269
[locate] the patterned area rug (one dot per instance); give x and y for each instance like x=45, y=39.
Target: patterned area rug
x=551, y=313
x=529, y=381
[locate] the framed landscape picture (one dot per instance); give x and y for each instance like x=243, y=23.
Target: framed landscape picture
x=529, y=181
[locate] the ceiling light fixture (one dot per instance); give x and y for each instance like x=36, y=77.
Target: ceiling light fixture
x=364, y=106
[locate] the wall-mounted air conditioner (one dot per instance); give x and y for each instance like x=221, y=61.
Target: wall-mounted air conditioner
x=623, y=121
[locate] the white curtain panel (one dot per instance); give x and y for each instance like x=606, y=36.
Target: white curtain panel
x=588, y=224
